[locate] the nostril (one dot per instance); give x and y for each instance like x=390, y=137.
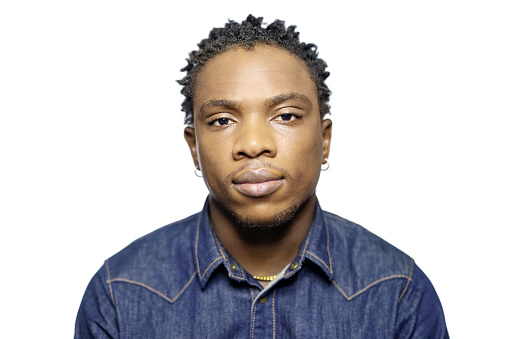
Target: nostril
x=253, y=149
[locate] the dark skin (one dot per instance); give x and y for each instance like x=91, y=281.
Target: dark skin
x=259, y=141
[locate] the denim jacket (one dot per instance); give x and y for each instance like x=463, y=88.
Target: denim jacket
x=180, y=282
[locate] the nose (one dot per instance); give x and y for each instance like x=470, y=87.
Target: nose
x=254, y=139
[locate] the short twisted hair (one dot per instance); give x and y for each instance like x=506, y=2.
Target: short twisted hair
x=247, y=34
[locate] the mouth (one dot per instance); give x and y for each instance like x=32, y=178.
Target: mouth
x=257, y=183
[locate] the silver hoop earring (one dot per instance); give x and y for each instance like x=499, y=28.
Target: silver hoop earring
x=197, y=172
x=326, y=164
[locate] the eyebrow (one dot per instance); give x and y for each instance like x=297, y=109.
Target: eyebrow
x=286, y=96
x=275, y=100
x=221, y=103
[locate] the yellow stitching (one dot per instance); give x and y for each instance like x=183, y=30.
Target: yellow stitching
x=185, y=287
x=196, y=255
x=252, y=295
x=196, y=246
x=222, y=254
x=369, y=286
x=303, y=252
x=154, y=290
x=305, y=246
x=243, y=274
x=234, y=276
x=241, y=271
x=196, y=252
x=340, y=290
x=273, y=315
x=254, y=314
x=408, y=282
x=109, y=281
x=226, y=261
x=212, y=263
x=328, y=250
x=328, y=268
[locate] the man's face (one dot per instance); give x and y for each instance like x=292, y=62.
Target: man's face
x=258, y=137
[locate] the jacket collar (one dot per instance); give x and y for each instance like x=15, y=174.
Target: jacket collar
x=209, y=253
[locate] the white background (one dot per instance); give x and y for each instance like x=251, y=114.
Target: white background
x=93, y=154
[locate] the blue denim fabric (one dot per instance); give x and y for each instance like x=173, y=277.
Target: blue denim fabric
x=180, y=282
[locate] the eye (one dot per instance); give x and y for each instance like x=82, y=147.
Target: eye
x=287, y=117
x=221, y=122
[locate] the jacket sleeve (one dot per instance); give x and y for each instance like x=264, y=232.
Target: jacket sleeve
x=97, y=314
x=420, y=313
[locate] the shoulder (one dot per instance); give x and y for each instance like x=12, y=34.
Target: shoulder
x=420, y=311
x=361, y=258
x=166, y=252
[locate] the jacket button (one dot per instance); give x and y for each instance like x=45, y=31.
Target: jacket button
x=264, y=300
x=233, y=267
x=294, y=265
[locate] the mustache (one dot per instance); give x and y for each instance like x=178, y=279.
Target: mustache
x=253, y=165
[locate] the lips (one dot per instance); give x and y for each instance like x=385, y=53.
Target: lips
x=257, y=183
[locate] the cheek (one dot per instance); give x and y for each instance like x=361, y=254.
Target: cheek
x=302, y=149
x=208, y=151
x=208, y=163
x=213, y=160
x=303, y=157
x=213, y=148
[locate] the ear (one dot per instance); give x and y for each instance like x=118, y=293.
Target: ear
x=190, y=136
x=326, y=136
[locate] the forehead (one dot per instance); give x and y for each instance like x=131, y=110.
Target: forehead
x=253, y=75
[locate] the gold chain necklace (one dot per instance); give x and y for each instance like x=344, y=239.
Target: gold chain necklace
x=266, y=278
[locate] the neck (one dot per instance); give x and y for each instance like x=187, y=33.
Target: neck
x=266, y=251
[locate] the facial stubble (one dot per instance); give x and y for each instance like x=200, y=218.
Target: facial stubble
x=281, y=218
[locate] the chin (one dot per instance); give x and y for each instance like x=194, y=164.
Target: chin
x=262, y=222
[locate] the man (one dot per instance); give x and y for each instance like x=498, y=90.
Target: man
x=261, y=259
